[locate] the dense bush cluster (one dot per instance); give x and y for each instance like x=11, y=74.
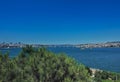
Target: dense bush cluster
x=40, y=65
x=104, y=76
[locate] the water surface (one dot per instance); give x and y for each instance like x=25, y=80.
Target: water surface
x=100, y=58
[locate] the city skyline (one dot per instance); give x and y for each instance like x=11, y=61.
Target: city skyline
x=59, y=22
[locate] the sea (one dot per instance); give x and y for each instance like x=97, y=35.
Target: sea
x=99, y=58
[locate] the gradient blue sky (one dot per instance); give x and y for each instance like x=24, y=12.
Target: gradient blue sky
x=59, y=21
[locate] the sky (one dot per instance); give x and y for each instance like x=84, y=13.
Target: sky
x=59, y=21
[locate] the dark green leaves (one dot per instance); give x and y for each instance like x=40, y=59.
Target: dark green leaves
x=40, y=65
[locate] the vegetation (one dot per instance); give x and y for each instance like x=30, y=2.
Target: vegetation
x=104, y=76
x=40, y=65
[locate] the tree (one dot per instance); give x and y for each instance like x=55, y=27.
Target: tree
x=41, y=65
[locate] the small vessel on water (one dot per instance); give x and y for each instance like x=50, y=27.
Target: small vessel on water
x=82, y=48
x=5, y=48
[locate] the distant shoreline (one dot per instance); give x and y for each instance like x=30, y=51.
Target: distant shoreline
x=82, y=48
x=89, y=45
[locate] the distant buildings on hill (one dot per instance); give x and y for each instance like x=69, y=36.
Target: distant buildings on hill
x=11, y=45
x=99, y=45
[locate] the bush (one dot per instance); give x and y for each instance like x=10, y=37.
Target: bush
x=40, y=65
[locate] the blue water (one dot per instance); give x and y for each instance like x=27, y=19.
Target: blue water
x=100, y=58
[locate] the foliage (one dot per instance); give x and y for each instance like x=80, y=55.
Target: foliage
x=104, y=76
x=40, y=65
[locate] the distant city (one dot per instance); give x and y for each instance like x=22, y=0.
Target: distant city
x=89, y=45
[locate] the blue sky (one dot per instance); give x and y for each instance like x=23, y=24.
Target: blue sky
x=59, y=21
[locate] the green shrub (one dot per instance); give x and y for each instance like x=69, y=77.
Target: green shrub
x=40, y=65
